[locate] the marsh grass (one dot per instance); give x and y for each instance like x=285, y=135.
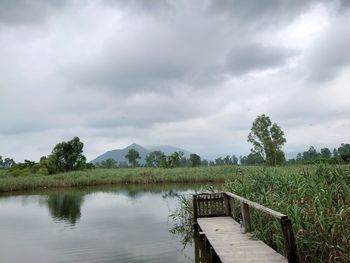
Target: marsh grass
x=315, y=198
x=10, y=182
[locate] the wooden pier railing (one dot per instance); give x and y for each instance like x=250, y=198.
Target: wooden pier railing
x=222, y=204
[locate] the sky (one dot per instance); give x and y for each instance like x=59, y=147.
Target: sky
x=192, y=74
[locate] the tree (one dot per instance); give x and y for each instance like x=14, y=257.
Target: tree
x=69, y=156
x=183, y=160
x=344, y=152
x=204, y=163
x=335, y=152
x=234, y=160
x=310, y=154
x=291, y=161
x=326, y=153
x=219, y=161
x=109, y=163
x=153, y=159
x=252, y=159
x=267, y=139
x=8, y=163
x=227, y=160
x=171, y=161
x=132, y=157
x=175, y=159
x=49, y=164
x=195, y=160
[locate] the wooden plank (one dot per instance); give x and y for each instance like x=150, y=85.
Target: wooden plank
x=230, y=245
x=257, y=206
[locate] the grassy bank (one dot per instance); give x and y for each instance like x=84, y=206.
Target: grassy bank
x=10, y=182
x=316, y=199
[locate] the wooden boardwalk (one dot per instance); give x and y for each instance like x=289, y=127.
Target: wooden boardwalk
x=219, y=238
x=230, y=245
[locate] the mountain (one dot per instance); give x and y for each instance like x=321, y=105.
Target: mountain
x=119, y=154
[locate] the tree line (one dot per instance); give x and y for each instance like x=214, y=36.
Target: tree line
x=337, y=156
x=65, y=156
x=156, y=159
x=6, y=162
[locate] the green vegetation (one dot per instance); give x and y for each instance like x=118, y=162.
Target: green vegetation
x=140, y=175
x=159, y=159
x=315, y=197
x=66, y=156
x=155, y=159
x=132, y=157
x=195, y=160
x=267, y=139
x=6, y=163
x=109, y=163
x=311, y=156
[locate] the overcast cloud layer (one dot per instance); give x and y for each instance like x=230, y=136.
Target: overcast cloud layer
x=193, y=74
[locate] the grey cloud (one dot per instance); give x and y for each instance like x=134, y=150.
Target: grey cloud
x=141, y=5
x=343, y=6
x=129, y=74
x=145, y=115
x=261, y=13
x=329, y=54
x=20, y=12
x=253, y=56
x=115, y=73
x=257, y=14
x=160, y=57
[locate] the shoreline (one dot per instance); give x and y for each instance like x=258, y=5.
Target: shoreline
x=119, y=176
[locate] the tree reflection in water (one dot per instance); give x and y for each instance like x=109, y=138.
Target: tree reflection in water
x=65, y=207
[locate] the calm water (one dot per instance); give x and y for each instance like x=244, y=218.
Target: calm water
x=129, y=224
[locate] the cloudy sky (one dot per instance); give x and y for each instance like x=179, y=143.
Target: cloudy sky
x=193, y=74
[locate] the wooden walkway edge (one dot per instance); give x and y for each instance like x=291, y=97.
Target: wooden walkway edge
x=230, y=245
x=230, y=241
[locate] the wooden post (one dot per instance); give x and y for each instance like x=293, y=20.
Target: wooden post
x=245, y=217
x=227, y=205
x=202, y=251
x=213, y=256
x=195, y=208
x=196, y=244
x=289, y=241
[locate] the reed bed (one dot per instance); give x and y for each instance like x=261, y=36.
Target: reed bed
x=142, y=175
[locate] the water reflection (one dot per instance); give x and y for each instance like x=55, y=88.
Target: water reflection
x=65, y=207
x=111, y=224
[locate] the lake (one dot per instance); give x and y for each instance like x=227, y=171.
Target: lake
x=109, y=224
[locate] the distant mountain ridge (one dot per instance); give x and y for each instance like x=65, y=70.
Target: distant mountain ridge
x=119, y=154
